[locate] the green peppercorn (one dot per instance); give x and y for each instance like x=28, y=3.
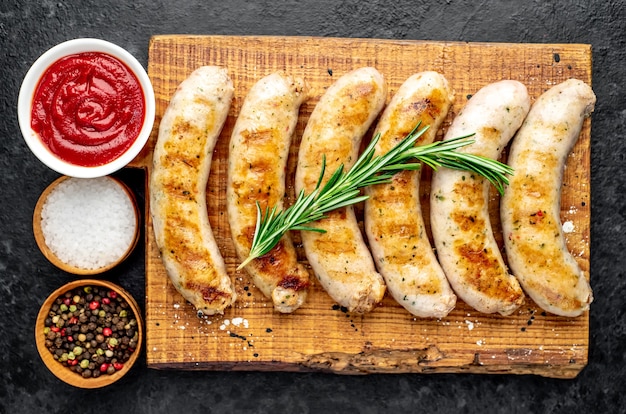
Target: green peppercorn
x=84, y=364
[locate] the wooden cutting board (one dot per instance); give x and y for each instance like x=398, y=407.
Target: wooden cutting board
x=320, y=335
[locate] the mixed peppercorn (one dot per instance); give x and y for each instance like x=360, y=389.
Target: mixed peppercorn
x=91, y=330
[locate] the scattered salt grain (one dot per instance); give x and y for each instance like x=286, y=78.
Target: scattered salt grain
x=239, y=321
x=88, y=223
x=568, y=227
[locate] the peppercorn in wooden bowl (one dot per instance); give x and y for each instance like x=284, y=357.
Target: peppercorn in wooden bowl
x=89, y=333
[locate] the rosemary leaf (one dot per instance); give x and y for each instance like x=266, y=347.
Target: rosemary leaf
x=343, y=187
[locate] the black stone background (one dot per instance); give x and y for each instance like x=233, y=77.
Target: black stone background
x=29, y=27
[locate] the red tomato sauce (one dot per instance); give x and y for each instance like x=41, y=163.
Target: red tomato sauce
x=88, y=108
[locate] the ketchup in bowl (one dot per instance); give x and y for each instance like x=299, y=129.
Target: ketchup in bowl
x=88, y=108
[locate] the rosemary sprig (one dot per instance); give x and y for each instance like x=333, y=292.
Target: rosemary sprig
x=343, y=188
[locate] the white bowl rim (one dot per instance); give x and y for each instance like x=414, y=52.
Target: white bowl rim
x=26, y=94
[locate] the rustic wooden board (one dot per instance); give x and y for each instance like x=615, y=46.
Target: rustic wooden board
x=320, y=336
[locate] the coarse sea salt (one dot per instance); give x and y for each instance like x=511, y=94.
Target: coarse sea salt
x=568, y=227
x=88, y=223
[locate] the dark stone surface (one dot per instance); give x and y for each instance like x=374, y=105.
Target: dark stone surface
x=29, y=27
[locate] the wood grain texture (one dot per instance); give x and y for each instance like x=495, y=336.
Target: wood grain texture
x=320, y=335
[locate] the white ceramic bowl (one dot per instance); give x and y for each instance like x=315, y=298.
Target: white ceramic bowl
x=31, y=81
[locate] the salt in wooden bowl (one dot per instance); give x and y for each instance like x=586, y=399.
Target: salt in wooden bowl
x=48, y=252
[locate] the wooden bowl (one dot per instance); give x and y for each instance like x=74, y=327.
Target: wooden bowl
x=64, y=373
x=49, y=254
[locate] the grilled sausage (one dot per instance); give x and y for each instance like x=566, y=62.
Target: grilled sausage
x=187, y=135
x=530, y=209
x=259, y=148
x=340, y=258
x=393, y=214
x=466, y=246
